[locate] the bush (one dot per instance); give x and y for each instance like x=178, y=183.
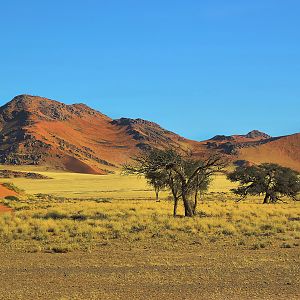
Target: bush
x=11, y=198
x=78, y=217
x=56, y=215
x=12, y=187
x=286, y=245
x=257, y=246
x=61, y=248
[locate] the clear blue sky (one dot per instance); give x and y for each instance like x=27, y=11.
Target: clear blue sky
x=198, y=68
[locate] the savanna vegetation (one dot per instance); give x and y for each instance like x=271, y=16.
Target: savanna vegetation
x=48, y=222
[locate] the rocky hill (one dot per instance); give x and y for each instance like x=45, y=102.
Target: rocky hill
x=40, y=131
x=231, y=144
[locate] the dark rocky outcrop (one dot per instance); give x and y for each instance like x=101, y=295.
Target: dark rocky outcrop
x=18, y=174
x=222, y=138
x=257, y=134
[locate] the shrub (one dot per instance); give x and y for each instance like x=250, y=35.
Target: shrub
x=78, y=217
x=258, y=246
x=12, y=187
x=11, y=198
x=55, y=215
x=137, y=228
x=60, y=248
x=286, y=245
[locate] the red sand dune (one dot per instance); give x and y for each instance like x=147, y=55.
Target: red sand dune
x=4, y=209
x=3, y=193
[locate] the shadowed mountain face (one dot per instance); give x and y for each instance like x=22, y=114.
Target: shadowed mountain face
x=39, y=131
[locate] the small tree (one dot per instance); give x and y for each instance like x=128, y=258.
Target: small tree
x=199, y=185
x=174, y=186
x=271, y=180
x=152, y=165
x=158, y=180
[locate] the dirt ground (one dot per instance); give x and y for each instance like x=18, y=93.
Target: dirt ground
x=110, y=272
x=3, y=193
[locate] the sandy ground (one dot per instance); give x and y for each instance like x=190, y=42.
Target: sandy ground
x=3, y=193
x=6, y=192
x=116, y=273
x=4, y=209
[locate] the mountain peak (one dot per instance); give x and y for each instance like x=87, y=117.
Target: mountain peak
x=28, y=100
x=257, y=134
x=39, y=108
x=134, y=122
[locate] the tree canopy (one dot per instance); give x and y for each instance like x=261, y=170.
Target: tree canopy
x=271, y=180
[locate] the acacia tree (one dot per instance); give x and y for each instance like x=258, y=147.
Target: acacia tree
x=158, y=180
x=195, y=174
x=271, y=180
x=183, y=175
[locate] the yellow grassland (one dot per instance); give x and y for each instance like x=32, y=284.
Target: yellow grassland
x=115, y=186
x=85, y=211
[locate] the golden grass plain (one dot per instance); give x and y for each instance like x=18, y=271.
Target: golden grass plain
x=77, y=211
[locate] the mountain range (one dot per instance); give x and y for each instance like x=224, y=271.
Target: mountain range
x=39, y=131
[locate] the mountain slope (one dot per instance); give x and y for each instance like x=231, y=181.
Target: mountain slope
x=36, y=130
x=283, y=150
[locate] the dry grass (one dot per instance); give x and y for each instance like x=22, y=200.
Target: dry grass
x=63, y=225
x=95, y=210
x=75, y=185
x=83, y=186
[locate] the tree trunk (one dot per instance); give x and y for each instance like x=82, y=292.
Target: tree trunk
x=266, y=199
x=156, y=195
x=188, y=211
x=195, y=202
x=175, y=206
